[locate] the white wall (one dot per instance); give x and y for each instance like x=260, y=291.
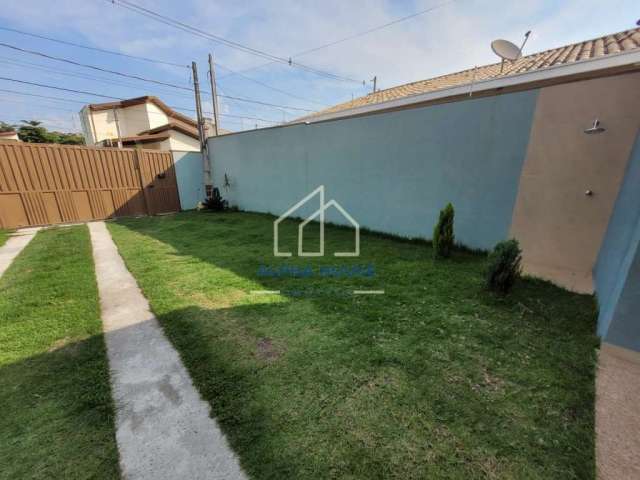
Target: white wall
x=184, y=143
x=131, y=120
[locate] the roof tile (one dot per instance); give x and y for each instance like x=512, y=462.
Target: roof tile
x=598, y=47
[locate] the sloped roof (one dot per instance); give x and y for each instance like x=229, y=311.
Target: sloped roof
x=599, y=47
x=191, y=132
x=170, y=112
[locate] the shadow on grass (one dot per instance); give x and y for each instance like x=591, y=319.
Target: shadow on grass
x=56, y=419
x=435, y=379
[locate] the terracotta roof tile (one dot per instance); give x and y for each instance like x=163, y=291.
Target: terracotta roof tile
x=598, y=47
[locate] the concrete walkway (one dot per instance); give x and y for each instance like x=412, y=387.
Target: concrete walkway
x=163, y=428
x=618, y=413
x=14, y=245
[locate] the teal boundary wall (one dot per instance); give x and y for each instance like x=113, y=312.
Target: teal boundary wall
x=617, y=270
x=188, y=166
x=393, y=171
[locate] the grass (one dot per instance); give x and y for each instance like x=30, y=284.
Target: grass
x=4, y=235
x=435, y=379
x=57, y=416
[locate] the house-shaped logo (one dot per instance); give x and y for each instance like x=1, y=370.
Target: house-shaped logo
x=320, y=214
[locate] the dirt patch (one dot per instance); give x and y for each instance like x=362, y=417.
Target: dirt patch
x=267, y=350
x=490, y=383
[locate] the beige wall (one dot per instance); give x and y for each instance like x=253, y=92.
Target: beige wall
x=131, y=120
x=183, y=143
x=155, y=116
x=559, y=227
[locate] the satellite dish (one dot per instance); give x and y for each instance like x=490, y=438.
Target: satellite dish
x=506, y=50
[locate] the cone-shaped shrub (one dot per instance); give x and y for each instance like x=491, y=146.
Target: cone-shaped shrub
x=503, y=269
x=443, y=236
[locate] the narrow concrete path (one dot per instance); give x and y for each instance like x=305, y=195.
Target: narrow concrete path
x=163, y=428
x=618, y=413
x=14, y=245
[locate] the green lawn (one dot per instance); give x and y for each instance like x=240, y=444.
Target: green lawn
x=56, y=416
x=4, y=235
x=435, y=379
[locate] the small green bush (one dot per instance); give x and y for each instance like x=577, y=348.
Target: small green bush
x=504, y=266
x=443, y=236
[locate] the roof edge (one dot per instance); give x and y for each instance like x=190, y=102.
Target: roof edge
x=626, y=58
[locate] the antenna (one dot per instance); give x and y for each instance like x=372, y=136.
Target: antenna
x=507, y=50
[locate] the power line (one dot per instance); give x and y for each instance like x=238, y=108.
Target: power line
x=266, y=85
x=136, y=77
x=229, y=43
x=79, y=64
x=96, y=49
x=59, y=88
x=150, y=60
x=37, y=66
x=375, y=29
x=360, y=34
x=86, y=102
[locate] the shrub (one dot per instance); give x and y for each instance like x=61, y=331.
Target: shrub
x=504, y=267
x=215, y=202
x=443, y=236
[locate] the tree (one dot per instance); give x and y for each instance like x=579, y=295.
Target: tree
x=7, y=127
x=32, y=131
x=443, y=237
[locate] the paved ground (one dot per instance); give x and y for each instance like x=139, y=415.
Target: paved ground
x=14, y=245
x=618, y=414
x=163, y=428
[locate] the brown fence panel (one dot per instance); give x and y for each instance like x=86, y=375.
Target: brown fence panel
x=43, y=184
x=158, y=177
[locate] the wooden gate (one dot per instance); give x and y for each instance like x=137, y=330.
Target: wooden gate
x=43, y=184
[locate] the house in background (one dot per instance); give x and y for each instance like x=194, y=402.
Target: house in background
x=145, y=121
x=9, y=137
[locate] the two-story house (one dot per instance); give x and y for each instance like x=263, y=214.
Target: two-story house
x=145, y=121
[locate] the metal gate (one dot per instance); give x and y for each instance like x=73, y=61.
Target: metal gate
x=42, y=184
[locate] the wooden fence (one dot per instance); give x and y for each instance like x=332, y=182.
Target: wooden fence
x=43, y=184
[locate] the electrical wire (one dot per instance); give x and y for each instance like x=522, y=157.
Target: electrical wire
x=101, y=69
x=86, y=102
x=136, y=77
x=266, y=85
x=58, y=88
x=229, y=43
x=359, y=34
x=95, y=49
x=36, y=66
x=374, y=29
x=64, y=42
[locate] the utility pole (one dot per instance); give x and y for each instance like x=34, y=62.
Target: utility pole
x=375, y=83
x=214, y=93
x=206, y=168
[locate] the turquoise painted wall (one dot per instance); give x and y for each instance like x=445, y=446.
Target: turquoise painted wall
x=617, y=270
x=394, y=171
x=188, y=167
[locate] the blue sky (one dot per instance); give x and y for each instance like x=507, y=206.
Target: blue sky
x=452, y=37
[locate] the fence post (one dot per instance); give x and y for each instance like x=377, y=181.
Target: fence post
x=137, y=166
